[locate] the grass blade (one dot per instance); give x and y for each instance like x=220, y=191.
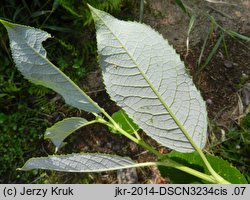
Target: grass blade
x=211, y=54
x=238, y=35
x=181, y=5
x=204, y=45
x=141, y=10
x=190, y=27
x=225, y=47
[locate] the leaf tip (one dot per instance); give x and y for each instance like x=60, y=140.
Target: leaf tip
x=6, y=23
x=93, y=10
x=90, y=7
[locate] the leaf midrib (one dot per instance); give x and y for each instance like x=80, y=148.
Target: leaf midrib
x=178, y=123
x=44, y=58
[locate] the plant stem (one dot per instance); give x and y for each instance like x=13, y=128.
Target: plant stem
x=215, y=178
x=140, y=142
x=141, y=10
x=135, y=132
x=168, y=162
x=171, y=113
x=190, y=139
x=116, y=127
x=171, y=163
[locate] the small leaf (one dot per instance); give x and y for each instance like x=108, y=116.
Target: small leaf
x=193, y=160
x=30, y=58
x=79, y=163
x=59, y=131
x=146, y=78
x=125, y=122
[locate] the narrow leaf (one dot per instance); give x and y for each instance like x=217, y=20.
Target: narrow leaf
x=79, y=163
x=59, y=131
x=146, y=77
x=181, y=5
x=191, y=24
x=190, y=27
x=205, y=43
x=212, y=53
x=238, y=35
x=30, y=58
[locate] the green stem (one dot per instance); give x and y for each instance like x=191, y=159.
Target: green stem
x=135, y=132
x=190, y=139
x=141, y=10
x=171, y=163
x=137, y=135
x=116, y=127
x=178, y=123
x=140, y=142
x=215, y=178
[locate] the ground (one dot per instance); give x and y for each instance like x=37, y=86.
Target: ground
x=220, y=82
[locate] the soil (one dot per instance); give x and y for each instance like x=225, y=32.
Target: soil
x=221, y=79
x=219, y=82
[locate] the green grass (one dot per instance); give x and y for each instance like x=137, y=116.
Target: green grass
x=235, y=147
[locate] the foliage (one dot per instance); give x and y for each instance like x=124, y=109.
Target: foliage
x=20, y=135
x=137, y=77
x=26, y=120
x=70, y=58
x=235, y=147
x=193, y=160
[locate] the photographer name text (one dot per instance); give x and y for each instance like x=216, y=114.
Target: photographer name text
x=38, y=192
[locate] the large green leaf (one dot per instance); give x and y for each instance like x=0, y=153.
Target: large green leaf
x=30, y=58
x=193, y=160
x=79, y=163
x=146, y=77
x=62, y=129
